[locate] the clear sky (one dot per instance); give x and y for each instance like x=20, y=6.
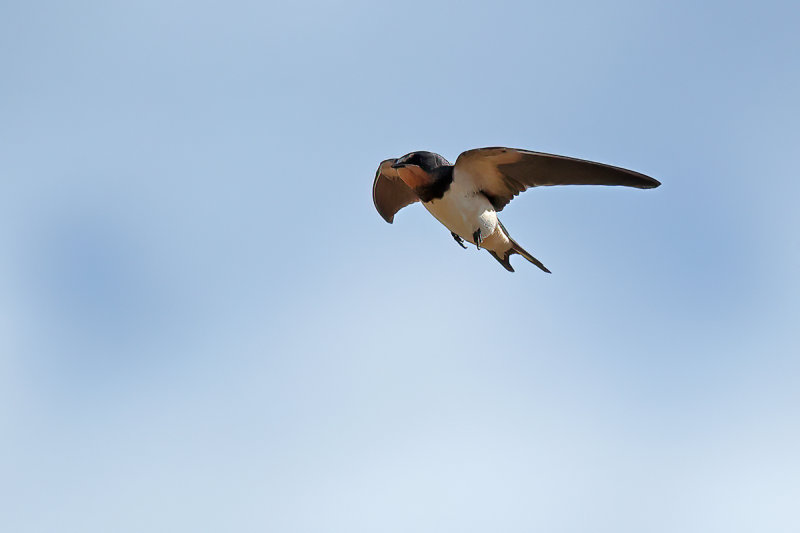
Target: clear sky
x=205, y=325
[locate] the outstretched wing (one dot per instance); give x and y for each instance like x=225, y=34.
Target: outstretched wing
x=389, y=193
x=503, y=173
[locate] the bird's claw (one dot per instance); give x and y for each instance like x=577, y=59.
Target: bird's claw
x=459, y=240
x=477, y=238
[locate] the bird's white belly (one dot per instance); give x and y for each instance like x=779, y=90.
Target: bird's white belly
x=463, y=213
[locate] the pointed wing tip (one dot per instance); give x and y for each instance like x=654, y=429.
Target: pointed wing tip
x=646, y=182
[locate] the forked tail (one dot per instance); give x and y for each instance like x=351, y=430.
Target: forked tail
x=515, y=249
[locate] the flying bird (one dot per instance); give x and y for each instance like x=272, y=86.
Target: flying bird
x=467, y=196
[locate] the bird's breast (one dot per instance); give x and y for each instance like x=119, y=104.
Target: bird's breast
x=463, y=212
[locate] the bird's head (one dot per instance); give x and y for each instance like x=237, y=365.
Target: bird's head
x=427, y=161
x=416, y=168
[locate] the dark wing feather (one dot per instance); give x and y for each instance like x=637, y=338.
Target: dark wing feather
x=503, y=173
x=389, y=193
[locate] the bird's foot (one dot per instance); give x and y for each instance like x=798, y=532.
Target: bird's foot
x=477, y=238
x=459, y=240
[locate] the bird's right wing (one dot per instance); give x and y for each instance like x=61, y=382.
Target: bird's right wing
x=503, y=173
x=389, y=193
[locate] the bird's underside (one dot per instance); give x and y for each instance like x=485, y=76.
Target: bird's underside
x=466, y=197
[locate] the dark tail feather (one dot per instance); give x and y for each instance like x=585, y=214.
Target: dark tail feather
x=504, y=260
x=517, y=249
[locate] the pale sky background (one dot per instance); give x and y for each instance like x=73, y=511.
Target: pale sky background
x=205, y=325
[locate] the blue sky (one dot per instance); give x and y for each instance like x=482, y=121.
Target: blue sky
x=206, y=326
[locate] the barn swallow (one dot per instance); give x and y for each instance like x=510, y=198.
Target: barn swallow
x=467, y=196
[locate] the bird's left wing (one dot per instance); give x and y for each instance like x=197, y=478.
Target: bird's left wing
x=503, y=173
x=389, y=193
